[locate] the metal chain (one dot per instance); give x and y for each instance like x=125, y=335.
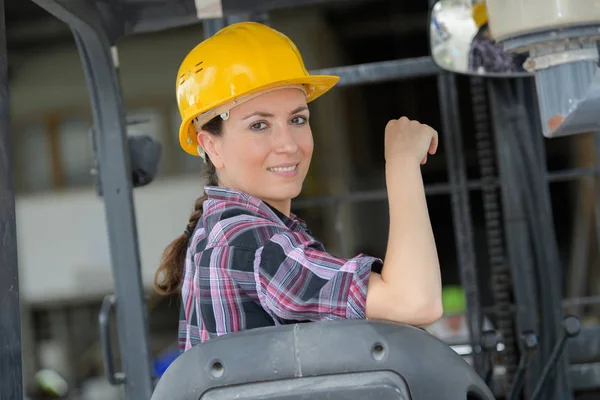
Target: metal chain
x=500, y=273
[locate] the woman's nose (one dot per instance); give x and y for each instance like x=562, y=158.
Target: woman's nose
x=285, y=140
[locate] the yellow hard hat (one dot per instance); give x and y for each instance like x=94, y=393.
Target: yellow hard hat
x=480, y=14
x=239, y=62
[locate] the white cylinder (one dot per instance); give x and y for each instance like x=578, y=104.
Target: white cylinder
x=508, y=18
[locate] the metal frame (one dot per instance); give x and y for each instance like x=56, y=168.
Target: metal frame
x=500, y=281
x=101, y=73
x=435, y=189
x=383, y=71
x=518, y=173
x=518, y=244
x=11, y=384
x=94, y=42
x=463, y=226
x=546, y=252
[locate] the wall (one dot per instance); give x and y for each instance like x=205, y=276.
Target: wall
x=63, y=245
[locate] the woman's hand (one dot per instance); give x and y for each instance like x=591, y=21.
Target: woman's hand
x=405, y=138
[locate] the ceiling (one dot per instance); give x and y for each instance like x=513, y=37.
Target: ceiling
x=30, y=27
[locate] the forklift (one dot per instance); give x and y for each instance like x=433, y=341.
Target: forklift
x=324, y=360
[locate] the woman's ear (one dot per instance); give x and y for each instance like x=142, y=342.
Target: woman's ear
x=210, y=146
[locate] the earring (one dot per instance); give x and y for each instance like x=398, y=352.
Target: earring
x=201, y=153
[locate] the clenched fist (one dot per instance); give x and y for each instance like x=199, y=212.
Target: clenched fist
x=405, y=138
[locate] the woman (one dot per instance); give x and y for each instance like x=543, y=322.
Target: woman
x=244, y=260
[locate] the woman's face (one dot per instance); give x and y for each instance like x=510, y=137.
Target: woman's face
x=266, y=147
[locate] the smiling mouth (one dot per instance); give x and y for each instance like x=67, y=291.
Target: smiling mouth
x=283, y=169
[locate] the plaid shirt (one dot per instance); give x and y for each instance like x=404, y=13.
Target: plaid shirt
x=250, y=266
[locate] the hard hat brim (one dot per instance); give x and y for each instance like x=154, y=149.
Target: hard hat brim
x=316, y=86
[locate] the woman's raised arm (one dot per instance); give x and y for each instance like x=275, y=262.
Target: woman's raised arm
x=409, y=287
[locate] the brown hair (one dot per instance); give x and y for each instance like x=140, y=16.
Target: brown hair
x=167, y=278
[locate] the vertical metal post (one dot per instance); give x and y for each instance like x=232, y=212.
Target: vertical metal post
x=529, y=226
x=451, y=136
x=550, y=271
x=499, y=267
x=94, y=46
x=115, y=180
x=518, y=240
x=11, y=376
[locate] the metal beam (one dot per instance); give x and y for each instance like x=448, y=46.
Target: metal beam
x=451, y=137
x=549, y=265
x=383, y=71
x=517, y=238
x=11, y=376
x=529, y=228
x=93, y=43
x=499, y=278
x=432, y=189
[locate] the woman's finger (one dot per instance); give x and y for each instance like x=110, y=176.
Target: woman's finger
x=434, y=143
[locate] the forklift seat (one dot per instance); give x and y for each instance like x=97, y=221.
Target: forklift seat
x=334, y=360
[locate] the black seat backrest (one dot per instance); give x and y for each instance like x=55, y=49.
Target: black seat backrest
x=352, y=359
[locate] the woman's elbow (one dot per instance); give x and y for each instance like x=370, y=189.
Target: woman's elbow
x=419, y=312
x=423, y=313
x=417, y=307
x=415, y=312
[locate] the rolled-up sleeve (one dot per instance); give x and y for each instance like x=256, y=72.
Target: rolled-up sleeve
x=296, y=279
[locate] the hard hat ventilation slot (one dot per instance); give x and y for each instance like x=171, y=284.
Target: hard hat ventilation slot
x=198, y=67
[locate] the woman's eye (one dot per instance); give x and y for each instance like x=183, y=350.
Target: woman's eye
x=258, y=126
x=299, y=120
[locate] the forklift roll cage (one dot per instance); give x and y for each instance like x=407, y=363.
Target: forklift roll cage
x=97, y=26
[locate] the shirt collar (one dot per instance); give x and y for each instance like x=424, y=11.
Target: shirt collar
x=219, y=197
